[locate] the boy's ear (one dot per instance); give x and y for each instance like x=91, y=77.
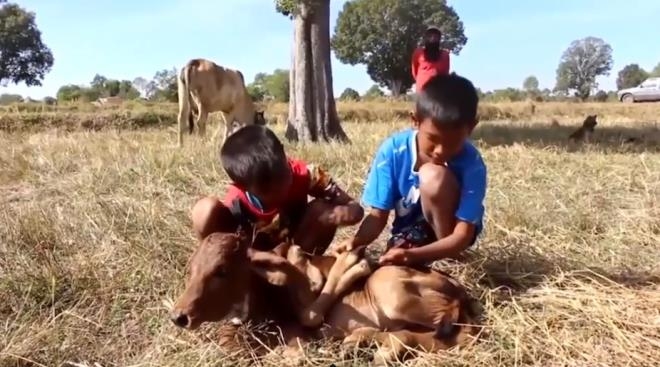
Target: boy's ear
x=473, y=125
x=413, y=118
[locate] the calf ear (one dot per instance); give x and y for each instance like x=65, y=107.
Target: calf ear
x=275, y=269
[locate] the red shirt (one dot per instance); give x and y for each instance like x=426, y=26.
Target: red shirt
x=306, y=180
x=423, y=69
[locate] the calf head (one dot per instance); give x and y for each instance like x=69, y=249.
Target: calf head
x=259, y=118
x=219, y=281
x=590, y=122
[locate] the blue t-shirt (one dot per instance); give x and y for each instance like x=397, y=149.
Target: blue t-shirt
x=393, y=184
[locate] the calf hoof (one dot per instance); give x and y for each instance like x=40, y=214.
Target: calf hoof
x=311, y=318
x=361, y=337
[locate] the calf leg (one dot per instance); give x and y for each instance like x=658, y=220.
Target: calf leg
x=395, y=345
x=296, y=256
x=344, y=272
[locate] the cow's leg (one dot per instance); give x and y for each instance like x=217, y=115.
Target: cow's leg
x=347, y=268
x=296, y=256
x=184, y=116
x=226, y=118
x=393, y=346
x=201, y=121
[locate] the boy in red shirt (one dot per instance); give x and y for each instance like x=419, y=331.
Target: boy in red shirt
x=269, y=190
x=429, y=60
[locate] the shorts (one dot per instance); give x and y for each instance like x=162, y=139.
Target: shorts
x=417, y=235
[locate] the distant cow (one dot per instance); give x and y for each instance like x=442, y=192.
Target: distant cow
x=228, y=277
x=212, y=88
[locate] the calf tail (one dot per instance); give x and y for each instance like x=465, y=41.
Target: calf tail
x=459, y=323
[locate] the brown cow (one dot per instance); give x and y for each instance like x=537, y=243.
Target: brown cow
x=419, y=307
x=213, y=88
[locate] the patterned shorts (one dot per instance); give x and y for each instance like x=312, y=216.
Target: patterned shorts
x=416, y=235
x=419, y=234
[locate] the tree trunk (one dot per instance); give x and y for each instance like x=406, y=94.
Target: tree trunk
x=395, y=88
x=312, y=109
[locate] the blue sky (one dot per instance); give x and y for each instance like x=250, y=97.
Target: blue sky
x=507, y=39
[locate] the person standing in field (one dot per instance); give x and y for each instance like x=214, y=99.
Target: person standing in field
x=429, y=59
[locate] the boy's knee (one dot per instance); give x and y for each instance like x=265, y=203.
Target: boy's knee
x=437, y=181
x=317, y=209
x=210, y=215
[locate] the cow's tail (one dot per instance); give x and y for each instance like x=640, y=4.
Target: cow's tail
x=185, y=108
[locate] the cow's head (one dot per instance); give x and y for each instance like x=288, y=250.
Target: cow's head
x=259, y=118
x=218, y=284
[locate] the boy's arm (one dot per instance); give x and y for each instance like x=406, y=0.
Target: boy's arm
x=370, y=228
x=378, y=195
x=347, y=210
x=469, y=213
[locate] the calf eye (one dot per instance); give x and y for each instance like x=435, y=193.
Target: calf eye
x=220, y=273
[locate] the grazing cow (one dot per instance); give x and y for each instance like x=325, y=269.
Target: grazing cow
x=586, y=130
x=213, y=88
x=229, y=278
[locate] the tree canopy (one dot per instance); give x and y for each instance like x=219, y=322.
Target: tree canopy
x=382, y=34
x=531, y=84
x=163, y=87
x=631, y=76
x=583, y=61
x=349, y=94
x=373, y=92
x=273, y=86
x=23, y=55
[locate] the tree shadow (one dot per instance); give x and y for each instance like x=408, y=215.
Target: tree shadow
x=625, y=139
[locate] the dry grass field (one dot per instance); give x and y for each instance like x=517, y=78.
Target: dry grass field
x=95, y=234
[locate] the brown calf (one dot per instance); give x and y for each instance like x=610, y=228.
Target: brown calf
x=419, y=308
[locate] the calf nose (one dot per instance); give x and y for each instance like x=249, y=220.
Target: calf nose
x=180, y=319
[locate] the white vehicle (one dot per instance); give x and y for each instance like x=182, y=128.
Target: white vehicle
x=649, y=90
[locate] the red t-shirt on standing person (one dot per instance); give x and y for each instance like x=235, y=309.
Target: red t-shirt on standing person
x=423, y=70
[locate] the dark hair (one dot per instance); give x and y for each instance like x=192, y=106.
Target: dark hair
x=448, y=100
x=253, y=156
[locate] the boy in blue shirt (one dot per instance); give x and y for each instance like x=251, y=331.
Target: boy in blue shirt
x=433, y=178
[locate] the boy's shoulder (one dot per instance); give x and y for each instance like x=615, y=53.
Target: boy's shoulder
x=398, y=141
x=469, y=156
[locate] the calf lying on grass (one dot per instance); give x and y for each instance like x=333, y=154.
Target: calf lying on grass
x=419, y=308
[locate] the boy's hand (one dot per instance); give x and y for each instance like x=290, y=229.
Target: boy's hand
x=395, y=256
x=342, y=247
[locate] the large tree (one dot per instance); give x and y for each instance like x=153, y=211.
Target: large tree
x=382, y=34
x=312, y=109
x=583, y=61
x=531, y=84
x=23, y=55
x=631, y=76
